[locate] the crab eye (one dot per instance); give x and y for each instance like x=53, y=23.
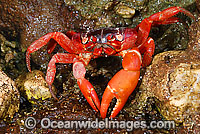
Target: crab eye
x=110, y=37
x=119, y=37
x=92, y=39
x=84, y=40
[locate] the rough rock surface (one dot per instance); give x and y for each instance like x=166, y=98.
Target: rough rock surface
x=9, y=97
x=175, y=84
x=33, y=85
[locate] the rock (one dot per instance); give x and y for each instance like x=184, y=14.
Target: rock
x=11, y=60
x=33, y=85
x=125, y=11
x=9, y=97
x=27, y=21
x=174, y=83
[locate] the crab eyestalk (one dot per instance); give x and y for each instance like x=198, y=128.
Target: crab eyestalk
x=123, y=83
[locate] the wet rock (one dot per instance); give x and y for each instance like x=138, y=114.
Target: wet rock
x=33, y=19
x=11, y=60
x=192, y=124
x=155, y=6
x=175, y=87
x=9, y=97
x=33, y=85
x=194, y=44
x=164, y=40
x=105, y=13
x=26, y=21
x=125, y=11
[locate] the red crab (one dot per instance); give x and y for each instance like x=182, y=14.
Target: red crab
x=129, y=43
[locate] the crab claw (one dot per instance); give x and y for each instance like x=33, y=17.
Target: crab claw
x=122, y=84
x=89, y=93
x=85, y=86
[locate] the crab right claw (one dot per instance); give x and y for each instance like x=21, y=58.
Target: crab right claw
x=123, y=83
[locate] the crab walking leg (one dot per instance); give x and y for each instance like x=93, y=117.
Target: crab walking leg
x=79, y=73
x=51, y=70
x=163, y=17
x=123, y=83
x=168, y=13
x=167, y=21
x=52, y=43
x=59, y=37
x=148, y=50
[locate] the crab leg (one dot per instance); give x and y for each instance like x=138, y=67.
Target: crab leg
x=163, y=17
x=79, y=73
x=168, y=13
x=51, y=70
x=52, y=44
x=123, y=83
x=148, y=50
x=59, y=37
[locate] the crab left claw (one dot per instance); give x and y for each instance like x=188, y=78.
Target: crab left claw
x=85, y=86
x=123, y=83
